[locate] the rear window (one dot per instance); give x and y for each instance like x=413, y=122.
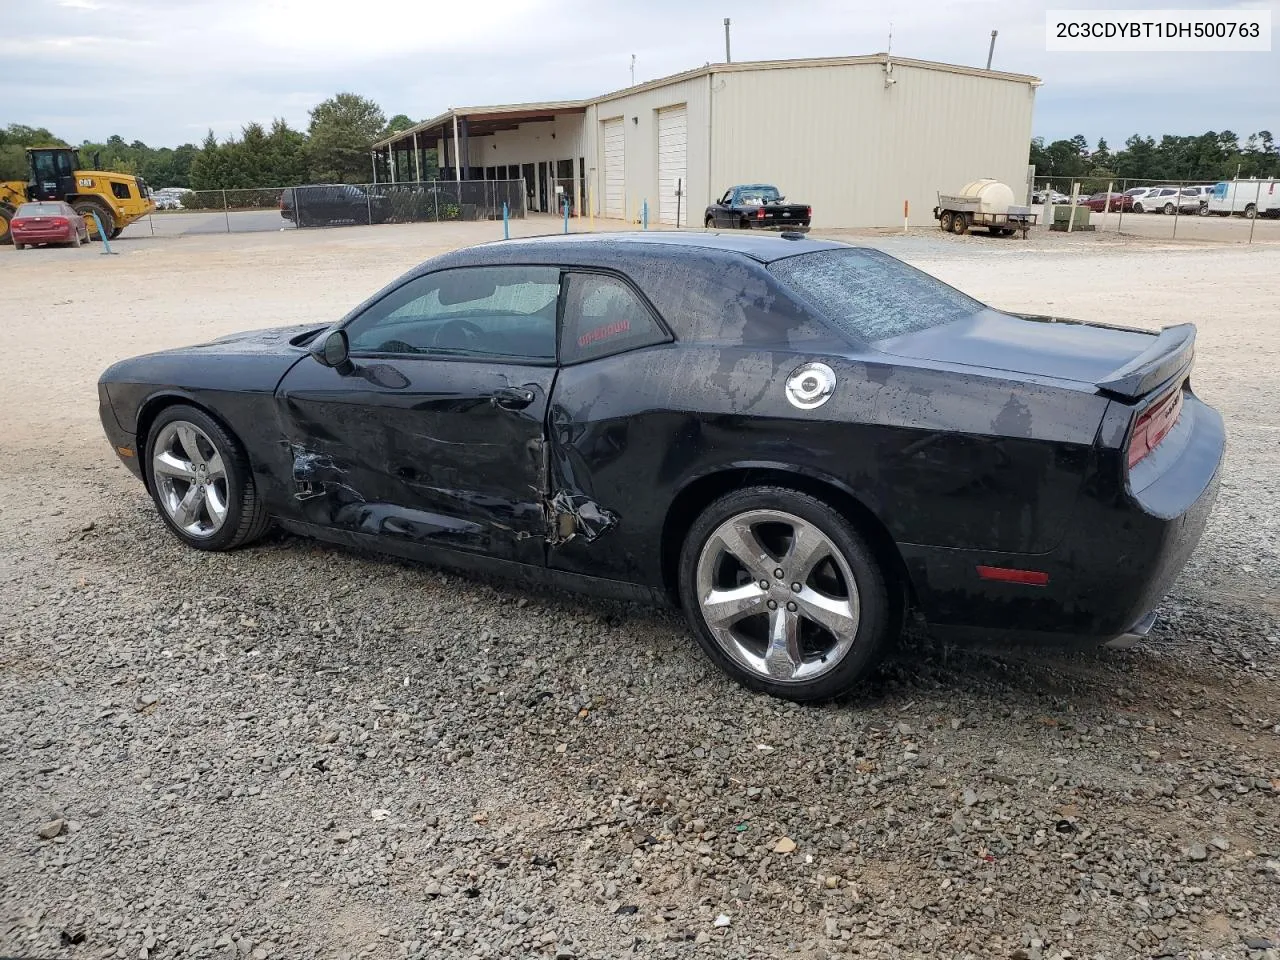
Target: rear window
x=40, y=210
x=871, y=295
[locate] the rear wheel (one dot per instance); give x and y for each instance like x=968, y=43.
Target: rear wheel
x=200, y=479
x=945, y=221
x=86, y=209
x=1168, y=210
x=6, y=215
x=783, y=595
x=19, y=246
x=116, y=232
x=959, y=224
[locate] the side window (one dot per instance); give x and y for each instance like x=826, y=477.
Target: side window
x=604, y=316
x=120, y=190
x=482, y=312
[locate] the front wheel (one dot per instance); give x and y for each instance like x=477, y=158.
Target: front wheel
x=200, y=479
x=1250, y=212
x=945, y=221
x=707, y=223
x=1168, y=209
x=86, y=209
x=783, y=595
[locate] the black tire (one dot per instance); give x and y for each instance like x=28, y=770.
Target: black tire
x=959, y=224
x=1168, y=210
x=944, y=221
x=1137, y=207
x=116, y=231
x=1250, y=211
x=707, y=223
x=87, y=207
x=6, y=216
x=246, y=518
x=19, y=246
x=875, y=624
x=1203, y=209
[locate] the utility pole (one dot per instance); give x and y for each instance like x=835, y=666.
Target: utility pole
x=728, y=57
x=633, y=69
x=991, y=49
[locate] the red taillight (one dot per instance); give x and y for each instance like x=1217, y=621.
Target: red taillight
x=1154, y=425
x=760, y=213
x=60, y=221
x=1031, y=578
x=808, y=213
x=17, y=223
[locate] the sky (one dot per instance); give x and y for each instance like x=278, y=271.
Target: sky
x=166, y=71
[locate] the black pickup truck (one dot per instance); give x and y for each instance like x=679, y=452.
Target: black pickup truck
x=757, y=206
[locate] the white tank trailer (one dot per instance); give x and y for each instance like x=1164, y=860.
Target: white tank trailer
x=983, y=203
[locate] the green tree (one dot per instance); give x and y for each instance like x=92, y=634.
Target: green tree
x=342, y=131
x=396, y=124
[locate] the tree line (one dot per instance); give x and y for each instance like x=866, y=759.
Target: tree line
x=335, y=148
x=1206, y=158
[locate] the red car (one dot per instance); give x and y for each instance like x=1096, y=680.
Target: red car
x=1119, y=201
x=47, y=221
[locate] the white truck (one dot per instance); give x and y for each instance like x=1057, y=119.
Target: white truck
x=1246, y=198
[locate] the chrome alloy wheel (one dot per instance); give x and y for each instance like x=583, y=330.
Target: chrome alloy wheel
x=190, y=478
x=777, y=596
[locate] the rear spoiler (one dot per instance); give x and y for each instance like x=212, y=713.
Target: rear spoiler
x=1169, y=355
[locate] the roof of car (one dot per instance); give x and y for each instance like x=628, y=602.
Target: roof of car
x=764, y=249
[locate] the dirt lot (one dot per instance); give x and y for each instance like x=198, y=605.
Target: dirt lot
x=296, y=751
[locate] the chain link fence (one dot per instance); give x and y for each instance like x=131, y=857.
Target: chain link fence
x=1231, y=211
x=332, y=205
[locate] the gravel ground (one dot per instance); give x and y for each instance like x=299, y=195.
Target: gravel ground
x=296, y=751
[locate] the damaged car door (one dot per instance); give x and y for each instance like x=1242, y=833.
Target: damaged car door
x=432, y=431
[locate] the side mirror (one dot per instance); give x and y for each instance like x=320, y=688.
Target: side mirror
x=334, y=351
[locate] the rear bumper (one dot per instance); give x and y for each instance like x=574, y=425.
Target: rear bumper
x=44, y=236
x=1118, y=561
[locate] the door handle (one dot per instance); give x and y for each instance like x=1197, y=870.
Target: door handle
x=513, y=398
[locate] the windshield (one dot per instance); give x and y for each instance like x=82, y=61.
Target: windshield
x=759, y=194
x=39, y=210
x=871, y=295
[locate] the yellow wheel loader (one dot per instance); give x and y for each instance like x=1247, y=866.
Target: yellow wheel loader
x=117, y=198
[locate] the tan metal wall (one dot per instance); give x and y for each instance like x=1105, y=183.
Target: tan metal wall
x=838, y=138
x=560, y=139
x=639, y=111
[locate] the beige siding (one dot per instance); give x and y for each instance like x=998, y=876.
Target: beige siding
x=639, y=114
x=838, y=138
x=560, y=139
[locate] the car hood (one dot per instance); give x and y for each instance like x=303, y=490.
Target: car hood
x=269, y=340
x=1026, y=344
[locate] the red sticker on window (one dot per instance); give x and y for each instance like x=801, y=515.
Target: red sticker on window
x=600, y=333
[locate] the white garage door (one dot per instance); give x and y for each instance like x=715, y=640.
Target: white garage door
x=673, y=136
x=614, y=170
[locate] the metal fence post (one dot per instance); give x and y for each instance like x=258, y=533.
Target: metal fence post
x=1257, y=199
x=368, y=205
x=679, y=197
x=1177, y=209
x=1124, y=186
x=226, y=213
x=435, y=195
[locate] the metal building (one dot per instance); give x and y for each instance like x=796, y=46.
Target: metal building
x=855, y=137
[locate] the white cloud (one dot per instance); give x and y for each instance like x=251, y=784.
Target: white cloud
x=153, y=69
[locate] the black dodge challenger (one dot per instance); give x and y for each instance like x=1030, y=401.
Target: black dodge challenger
x=797, y=441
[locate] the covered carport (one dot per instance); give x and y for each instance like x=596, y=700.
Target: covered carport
x=539, y=143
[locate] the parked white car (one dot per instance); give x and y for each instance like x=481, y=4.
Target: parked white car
x=1168, y=200
x=1049, y=196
